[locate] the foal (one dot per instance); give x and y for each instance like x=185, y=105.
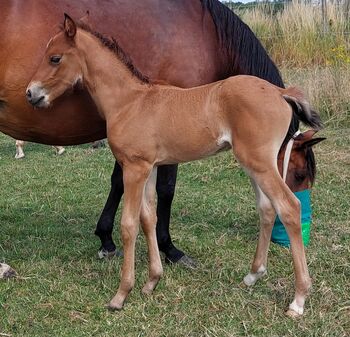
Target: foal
x=151, y=124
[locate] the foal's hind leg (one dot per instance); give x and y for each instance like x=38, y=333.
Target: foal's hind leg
x=148, y=221
x=287, y=207
x=267, y=215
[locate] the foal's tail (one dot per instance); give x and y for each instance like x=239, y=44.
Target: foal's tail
x=301, y=107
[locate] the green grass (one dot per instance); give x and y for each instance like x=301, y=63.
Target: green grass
x=48, y=209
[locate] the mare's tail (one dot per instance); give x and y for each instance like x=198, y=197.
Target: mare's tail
x=301, y=107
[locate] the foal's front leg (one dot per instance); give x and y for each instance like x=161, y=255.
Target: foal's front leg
x=148, y=222
x=134, y=176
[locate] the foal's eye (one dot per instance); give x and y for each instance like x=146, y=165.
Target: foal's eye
x=56, y=59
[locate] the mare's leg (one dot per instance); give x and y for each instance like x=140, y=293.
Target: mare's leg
x=267, y=216
x=134, y=178
x=166, y=181
x=148, y=221
x=105, y=223
x=19, y=149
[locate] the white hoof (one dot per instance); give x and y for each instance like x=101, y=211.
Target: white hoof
x=60, y=150
x=250, y=279
x=295, y=310
x=6, y=271
x=19, y=155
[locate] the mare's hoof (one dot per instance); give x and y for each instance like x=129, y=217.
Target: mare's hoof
x=185, y=261
x=61, y=151
x=98, y=144
x=105, y=254
x=19, y=155
x=6, y=271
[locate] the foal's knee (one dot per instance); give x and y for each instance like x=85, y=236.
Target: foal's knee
x=129, y=230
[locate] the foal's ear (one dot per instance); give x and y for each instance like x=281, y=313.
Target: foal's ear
x=70, y=27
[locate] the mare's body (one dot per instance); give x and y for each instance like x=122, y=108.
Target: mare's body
x=151, y=125
x=184, y=42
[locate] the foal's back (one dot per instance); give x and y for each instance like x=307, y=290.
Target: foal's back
x=180, y=125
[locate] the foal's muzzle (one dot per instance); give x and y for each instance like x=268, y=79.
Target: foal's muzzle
x=37, y=96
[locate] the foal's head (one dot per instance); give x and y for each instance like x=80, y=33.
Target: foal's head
x=302, y=166
x=60, y=69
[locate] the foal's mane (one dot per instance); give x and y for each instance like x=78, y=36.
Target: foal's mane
x=113, y=45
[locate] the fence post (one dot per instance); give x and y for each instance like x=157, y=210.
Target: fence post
x=324, y=15
x=347, y=9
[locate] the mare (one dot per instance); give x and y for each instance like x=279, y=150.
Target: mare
x=150, y=124
x=184, y=42
x=20, y=149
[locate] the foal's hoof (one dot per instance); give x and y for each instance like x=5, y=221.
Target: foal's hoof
x=116, y=303
x=105, y=254
x=6, y=271
x=147, y=290
x=186, y=261
x=250, y=279
x=294, y=310
x=114, y=307
x=293, y=314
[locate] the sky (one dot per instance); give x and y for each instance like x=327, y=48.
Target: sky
x=244, y=1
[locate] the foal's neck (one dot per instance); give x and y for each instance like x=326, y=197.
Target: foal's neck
x=109, y=81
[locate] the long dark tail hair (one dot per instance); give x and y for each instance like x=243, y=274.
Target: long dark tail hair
x=245, y=53
x=301, y=108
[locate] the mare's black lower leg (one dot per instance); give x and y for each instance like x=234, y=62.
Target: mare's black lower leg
x=105, y=223
x=166, y=180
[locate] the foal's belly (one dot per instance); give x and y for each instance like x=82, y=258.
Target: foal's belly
x=188, y=149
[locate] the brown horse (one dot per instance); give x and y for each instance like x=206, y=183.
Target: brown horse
x=151, y=124
x=184, y=42
x=20, y=149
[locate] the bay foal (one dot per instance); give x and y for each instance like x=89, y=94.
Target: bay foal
x=151, y=124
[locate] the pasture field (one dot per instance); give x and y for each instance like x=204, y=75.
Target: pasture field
x=48, y=209
x=49, y=206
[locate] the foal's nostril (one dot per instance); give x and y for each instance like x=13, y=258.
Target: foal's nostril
x=29, y=94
